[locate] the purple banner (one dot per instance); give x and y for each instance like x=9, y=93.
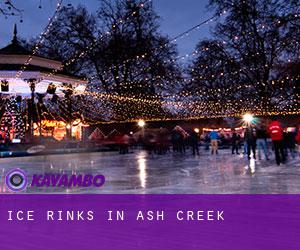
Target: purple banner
x=208, y=222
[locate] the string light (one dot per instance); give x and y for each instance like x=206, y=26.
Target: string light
x=95, y=43
x=185, y=103
x=40, y=39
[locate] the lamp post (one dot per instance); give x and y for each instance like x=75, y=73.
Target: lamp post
x=248, y=118
x=141, y=124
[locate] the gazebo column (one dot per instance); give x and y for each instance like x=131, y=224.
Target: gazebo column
x=69, y=126
x=39, y=111
x=68, y=97
x=32, y=84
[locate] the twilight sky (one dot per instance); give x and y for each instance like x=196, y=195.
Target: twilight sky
x=176, y=17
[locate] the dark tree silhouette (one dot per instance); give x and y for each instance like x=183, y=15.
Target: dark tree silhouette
x=250, y=44
x=9, y=8
x=121, y=48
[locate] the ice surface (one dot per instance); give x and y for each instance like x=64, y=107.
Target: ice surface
x=141, y=173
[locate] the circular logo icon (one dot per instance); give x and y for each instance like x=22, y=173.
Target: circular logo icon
x=16, y=180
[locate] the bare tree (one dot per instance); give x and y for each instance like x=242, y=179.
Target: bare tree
x=9, y=8
x=250, y=44
x=120, y=49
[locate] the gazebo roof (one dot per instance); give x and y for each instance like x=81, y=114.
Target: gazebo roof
x=13, y=59
x=14, y=48
x=14, y=55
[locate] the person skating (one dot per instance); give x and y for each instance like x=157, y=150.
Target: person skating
x=250, y=139
x=289, y=138
x=276, y=134
x=214, y=141
x=261, y=136
x=235, y=139
x=194, y=140
x=207, y=141
x=297, y=139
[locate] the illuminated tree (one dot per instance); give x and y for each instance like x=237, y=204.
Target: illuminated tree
x=12, y=120
x=120, y=49
x=251, y=43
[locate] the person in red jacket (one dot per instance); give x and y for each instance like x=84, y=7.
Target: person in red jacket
x=297, y=139
x=276, y=134
x=3, y=136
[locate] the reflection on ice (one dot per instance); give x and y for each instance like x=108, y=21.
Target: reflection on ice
x=141, y=159
x=252, y=165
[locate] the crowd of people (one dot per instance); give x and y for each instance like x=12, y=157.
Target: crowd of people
x=254, y=140
x=284, y=141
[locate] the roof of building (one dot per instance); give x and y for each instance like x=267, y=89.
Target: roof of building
x=15, y=52
x=15, y=47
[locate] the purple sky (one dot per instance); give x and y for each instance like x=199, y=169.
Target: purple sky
x=176, y=17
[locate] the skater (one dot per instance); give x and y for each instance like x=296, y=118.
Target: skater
x=261, y=135
x=214, y=141
x=289, y=138
x=194, y=140
x=297, y=139
x=206, y=141
x=235, y=139
x=276, y=134
x=250, y=139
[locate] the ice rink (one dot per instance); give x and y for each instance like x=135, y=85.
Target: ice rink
x=141, y=173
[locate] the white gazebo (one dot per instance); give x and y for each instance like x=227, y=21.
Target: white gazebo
x=25, y=76
x=18, y=66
